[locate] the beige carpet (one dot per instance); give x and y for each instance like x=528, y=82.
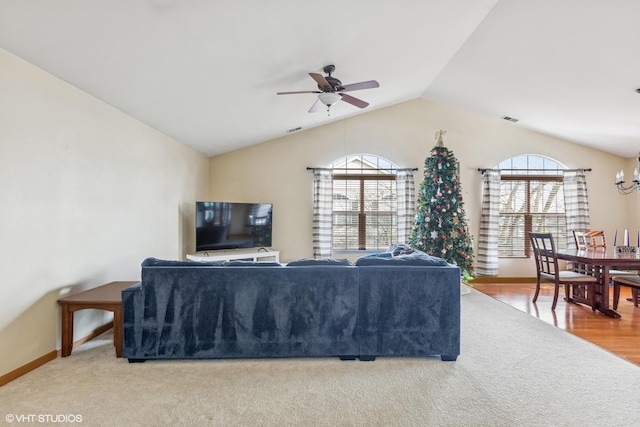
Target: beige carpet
x=514, y=370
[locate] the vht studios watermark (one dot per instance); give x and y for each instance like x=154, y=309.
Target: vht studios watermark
x=43, y=418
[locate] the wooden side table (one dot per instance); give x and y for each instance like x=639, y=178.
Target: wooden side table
x=106, y=297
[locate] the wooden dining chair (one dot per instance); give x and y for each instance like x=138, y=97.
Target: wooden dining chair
x=597, y=239
x=580, y=240
x=591, y=239
x=544, y=251
x=631, y=281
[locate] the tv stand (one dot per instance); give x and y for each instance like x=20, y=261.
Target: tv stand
x=234, y=254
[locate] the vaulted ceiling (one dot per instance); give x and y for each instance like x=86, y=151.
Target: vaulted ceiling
x=206, y=72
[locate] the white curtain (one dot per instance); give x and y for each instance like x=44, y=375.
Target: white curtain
x=322, y=211
x=487, y=259
x=576, y=204
x=406, y=191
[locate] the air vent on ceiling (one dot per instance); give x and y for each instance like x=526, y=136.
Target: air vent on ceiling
x=511, y=119
x=294, y=129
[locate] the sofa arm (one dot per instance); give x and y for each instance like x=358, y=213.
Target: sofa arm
x=410, y=311
x=132, y=307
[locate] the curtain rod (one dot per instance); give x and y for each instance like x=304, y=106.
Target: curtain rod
x=309, y=168
x=483, y=170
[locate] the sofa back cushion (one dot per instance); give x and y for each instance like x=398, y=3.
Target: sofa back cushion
x=416, y=258
x=241, y=263
x=155, y=262
x=319, y=262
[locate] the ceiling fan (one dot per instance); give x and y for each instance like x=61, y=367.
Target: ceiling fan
x=331, y=90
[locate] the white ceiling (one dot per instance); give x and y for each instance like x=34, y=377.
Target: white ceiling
x=206, y=72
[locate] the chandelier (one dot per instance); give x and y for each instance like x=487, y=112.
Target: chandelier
x=635, y=184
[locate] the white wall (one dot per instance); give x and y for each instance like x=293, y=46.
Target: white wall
x=87, y=193
x=275, y=171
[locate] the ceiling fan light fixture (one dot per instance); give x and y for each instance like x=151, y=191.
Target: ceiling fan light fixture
x=329, y=98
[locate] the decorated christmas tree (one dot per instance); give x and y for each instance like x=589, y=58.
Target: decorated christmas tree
x=441, y=228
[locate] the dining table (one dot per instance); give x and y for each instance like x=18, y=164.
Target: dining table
x=599, y=262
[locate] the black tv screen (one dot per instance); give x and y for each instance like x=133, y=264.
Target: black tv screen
x=228, y=225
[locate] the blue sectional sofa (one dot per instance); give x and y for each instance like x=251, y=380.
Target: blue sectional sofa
x=406, y=305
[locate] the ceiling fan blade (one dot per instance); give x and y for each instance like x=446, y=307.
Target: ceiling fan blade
x=316, y=106
x=300, y=91
x=357, y=86
x=354, y=101
x=319, y=78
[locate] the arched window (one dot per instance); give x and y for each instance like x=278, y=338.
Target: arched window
x=531, y=200
x=372, y=203
x=361, y=202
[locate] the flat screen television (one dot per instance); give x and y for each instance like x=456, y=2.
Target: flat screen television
x=229, y=225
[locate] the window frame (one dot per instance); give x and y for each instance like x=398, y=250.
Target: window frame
x=530, y=168
x=374, y=172
x=528, y=214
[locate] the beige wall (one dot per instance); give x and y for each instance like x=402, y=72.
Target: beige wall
x=86, y=193
x=275, y=171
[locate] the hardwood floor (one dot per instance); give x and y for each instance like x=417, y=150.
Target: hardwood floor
x=619, y=336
